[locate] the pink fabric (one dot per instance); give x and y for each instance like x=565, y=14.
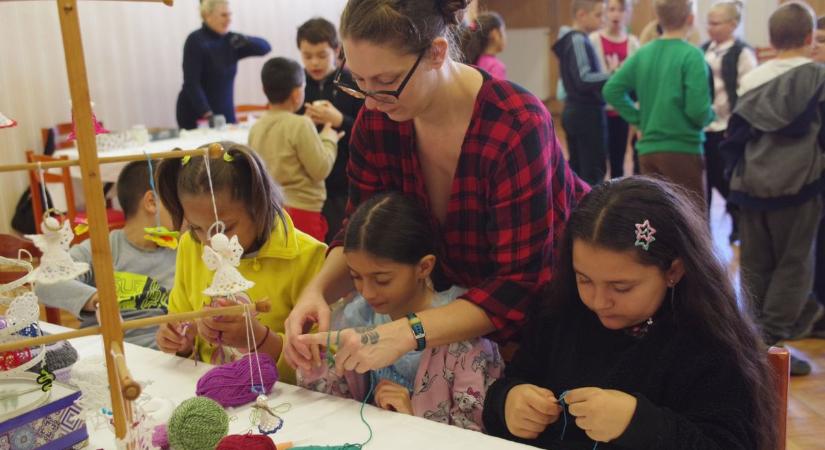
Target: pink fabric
x=493, y=66
x=450, y=384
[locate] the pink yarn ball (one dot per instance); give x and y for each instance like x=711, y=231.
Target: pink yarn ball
x=160, y=437
x=229, y=384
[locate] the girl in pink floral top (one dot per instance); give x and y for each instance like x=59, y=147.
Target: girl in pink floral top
x=484, y=38
x=389, y=248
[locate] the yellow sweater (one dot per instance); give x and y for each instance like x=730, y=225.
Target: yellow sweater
x=296, y=157
x=280, y=270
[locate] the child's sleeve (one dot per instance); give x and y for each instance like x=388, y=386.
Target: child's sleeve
x=617, y=90
x=179, y=297
x=324, y=380
x=315, y=154
x=474, y=372
x=71, y=295
x=698, y=101
x=584, y=77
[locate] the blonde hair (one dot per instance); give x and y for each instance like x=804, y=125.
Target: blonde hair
x=732, y=8
x=208, y=6
x=673, y=14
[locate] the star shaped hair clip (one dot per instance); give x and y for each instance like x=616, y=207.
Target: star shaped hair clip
x=644, y=235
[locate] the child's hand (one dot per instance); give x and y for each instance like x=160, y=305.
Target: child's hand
x=393, y=397
x=175, y=338
x=311, y=309
x=227, y=330
x=602, y=413
x=529, y=409
x=322, y=112
x=329, y=133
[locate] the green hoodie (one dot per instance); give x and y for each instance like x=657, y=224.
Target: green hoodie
x=670, y=78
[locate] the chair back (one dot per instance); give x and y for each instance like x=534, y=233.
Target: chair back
x=61, y=175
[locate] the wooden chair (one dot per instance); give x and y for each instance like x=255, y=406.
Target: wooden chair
x=780, y=361
x=242, y=112
x=10, y=247
x=116, y=219
x=54, y=138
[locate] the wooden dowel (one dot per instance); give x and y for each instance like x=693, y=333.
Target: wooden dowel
x=129, y=387
x=215, y=150
x=260, y=306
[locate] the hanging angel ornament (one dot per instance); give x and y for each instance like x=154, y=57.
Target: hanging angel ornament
x=56, y=264
x=20, y=322
x=223, y=256
x=266, y=419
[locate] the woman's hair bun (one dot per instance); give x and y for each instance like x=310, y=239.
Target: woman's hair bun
x=452, y=10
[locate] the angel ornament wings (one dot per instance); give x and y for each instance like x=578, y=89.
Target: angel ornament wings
x=223, y=256
x=56, y=264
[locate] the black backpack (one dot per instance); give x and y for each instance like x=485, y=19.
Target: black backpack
x=23, y=219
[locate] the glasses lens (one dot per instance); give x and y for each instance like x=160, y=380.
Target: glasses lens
x=351, y=91
x=385, y=98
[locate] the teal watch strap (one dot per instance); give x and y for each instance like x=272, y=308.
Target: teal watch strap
x=418, y=331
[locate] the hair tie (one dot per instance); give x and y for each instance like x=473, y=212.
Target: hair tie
x=185, y=160
x=227, y=157
x=474, y=25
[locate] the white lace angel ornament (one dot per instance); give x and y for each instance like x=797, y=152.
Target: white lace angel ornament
x=56, y=264
x=22, y=314
x=223, y=256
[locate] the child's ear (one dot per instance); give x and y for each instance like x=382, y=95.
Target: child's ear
x=149, y=203
x=425, y=266
x=676, y=271
x=809, y=40
x=690, y=19
x=296, y=95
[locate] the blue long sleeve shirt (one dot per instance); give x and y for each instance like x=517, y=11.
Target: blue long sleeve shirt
x=210, y=62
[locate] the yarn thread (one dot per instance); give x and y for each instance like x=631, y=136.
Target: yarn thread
x=196, y=424
x=564, y=406
x=224, y=384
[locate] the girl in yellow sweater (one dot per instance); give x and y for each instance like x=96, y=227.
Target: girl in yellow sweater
x=277, y=257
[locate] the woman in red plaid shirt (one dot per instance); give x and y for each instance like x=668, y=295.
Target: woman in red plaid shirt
x=480, y=155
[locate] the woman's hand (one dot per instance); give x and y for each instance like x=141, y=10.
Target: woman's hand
x=322, y=112
x=311, y=309
x=529, y=410
x=602, y=413
x=229, y=330
x=176, y=338
x=393, y=397
x=365, y=348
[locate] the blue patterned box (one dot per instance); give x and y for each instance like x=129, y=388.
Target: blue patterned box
x=53, y=425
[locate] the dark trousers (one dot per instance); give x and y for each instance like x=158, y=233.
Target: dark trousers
x=715, y=166
x=777, y=265
x=334, y=211
x=586, y=126
x=617, y=131
x=684, y=169
x=819, y=272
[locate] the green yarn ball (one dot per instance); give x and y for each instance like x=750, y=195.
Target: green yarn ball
x=197, y=424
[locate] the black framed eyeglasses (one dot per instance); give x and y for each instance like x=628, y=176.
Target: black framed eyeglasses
x=380, y=96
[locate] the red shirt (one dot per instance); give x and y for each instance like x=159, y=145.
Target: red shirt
x=511, y=195
x=614, y=48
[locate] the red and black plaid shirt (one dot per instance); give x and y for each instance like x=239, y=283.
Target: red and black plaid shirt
x=511, y=196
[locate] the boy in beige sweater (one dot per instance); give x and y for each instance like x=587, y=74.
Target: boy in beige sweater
x=296, y=155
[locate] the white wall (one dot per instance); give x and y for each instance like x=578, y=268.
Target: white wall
x=133, y=55
x=527, y=58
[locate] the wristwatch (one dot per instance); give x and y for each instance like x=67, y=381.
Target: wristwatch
x=418, y=331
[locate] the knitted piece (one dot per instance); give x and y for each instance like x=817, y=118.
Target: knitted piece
x=198, y=423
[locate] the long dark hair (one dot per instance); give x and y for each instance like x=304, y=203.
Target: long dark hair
x=409, y=25
x=242, y=174
x=390, y=226
x=704, y=300
x=476, y=37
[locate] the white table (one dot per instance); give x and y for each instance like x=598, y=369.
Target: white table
x=189, y=139
x=314, y=419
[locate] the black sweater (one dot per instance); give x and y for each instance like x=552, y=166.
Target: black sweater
x=690, y=394
x=336, y=181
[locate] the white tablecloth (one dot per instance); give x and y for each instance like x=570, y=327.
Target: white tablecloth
x=314, y=419
x=191, y=139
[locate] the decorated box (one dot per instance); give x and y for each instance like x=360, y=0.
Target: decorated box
x=33, y=419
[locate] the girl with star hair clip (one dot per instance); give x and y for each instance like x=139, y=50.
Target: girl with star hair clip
x=240, y=247
x=641, y=342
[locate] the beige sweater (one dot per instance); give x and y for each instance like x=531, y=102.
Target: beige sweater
x=295, y=156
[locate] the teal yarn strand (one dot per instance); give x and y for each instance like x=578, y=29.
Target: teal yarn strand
x=363, y=420
x=198, y=423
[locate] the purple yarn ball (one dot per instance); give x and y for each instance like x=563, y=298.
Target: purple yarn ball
x=160, y=437
x=229, y=384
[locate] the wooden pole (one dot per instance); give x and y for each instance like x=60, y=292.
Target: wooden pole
x=260, y=306
x=214, y=150
x=96, y=209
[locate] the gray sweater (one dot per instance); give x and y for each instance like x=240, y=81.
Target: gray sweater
x=143, y=279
